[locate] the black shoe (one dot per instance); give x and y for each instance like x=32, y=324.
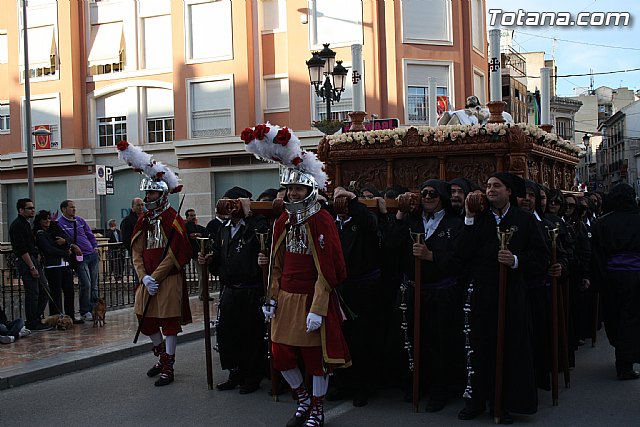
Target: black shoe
x=155, y=370
x=628, y=375
x=297, y=421
x=164, y=380
x=506, y=419
x=470, y=412
x=79, y=321
x=360, y=399
x=435, y=404
x=40, y=328
x=227, y=385
x=249, y=388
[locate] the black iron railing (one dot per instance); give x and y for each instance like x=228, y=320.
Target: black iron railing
x=116, y=280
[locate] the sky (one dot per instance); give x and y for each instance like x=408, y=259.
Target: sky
x=579, y=48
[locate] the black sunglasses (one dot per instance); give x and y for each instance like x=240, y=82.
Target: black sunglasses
x=554, y=202
x=571, y=205
x=29, y=207
x=431, y=193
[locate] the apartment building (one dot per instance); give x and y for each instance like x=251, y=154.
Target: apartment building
x=183, y=78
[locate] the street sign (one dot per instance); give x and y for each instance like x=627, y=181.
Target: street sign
x=108, y=171
x=101, y=182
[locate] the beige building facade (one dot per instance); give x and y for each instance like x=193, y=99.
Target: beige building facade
x=183, y=78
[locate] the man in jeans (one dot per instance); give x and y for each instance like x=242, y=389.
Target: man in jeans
x=35, y=283
x=86, y=247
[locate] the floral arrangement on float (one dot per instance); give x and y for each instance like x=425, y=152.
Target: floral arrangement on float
x=448, y=133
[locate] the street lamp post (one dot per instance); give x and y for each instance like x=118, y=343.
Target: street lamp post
x=321, y=66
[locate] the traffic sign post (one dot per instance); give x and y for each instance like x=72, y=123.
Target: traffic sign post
x=101, y=182
x=109, y=181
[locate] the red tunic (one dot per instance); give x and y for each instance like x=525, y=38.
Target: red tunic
x=303, y=283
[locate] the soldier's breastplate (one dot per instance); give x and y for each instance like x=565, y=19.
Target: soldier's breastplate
x=155, y=239
x=297, y=241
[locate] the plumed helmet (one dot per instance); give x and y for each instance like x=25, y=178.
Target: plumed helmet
x=277, y=144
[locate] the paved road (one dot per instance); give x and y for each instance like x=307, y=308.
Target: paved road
x=120, y=394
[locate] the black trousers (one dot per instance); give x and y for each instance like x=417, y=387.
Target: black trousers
x=60, y=282
x=35, y=290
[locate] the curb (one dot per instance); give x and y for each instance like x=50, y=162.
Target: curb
x=81, y=359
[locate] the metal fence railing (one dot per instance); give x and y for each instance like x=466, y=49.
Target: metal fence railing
x=116, y=282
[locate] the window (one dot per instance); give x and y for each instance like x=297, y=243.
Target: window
x=42, y=52
x=426, y=21
x=209, y=30
x=4, y=47
x=5, y=123
x=338, y=22
x=418, y=102
x=159, y=114
x=111, y=130
x=211, y=105
x=277, y=94
x=160, y=130
x=339, y=110
x=274, y=15
x=416, y=80
x=479, y=87
x=107, y=54
x=45, y=113
x=157, y=42
x=477, y=24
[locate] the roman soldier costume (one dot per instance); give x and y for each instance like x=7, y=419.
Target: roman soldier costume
x=306, y=265
x=160, y=250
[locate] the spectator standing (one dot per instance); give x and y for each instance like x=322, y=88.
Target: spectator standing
x=127, y=225
x=116, y=252
x=29, y=267
x=55, y=248
x=86, y=248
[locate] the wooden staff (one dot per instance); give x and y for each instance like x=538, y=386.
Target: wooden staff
x=262, y=237
x=204, y=296
x=504, y=237
x=417, y=239
x=596, y=312
x=564, y=340
x=553, y=234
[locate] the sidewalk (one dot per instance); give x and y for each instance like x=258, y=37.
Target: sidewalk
x=47, y=354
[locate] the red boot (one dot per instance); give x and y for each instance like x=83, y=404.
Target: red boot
x=304, y=407
x=157, y=368
x=316, y=417
x=166, y=377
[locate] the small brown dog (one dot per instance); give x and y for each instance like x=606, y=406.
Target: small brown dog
x=99, y=311
x=62, y=322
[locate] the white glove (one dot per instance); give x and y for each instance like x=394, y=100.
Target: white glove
x=151, y=284
x=314, y=322
x=269, y=310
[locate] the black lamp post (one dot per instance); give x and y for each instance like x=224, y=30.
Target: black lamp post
x=322, y=65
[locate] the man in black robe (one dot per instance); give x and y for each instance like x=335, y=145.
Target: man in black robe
x=360, y=293
x=616, y=249
x=241, y=325
x=441, y=339
x=479, y=251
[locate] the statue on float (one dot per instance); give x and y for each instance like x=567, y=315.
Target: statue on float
x=472, y=114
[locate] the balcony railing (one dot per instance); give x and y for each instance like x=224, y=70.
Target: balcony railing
x=115, y=281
